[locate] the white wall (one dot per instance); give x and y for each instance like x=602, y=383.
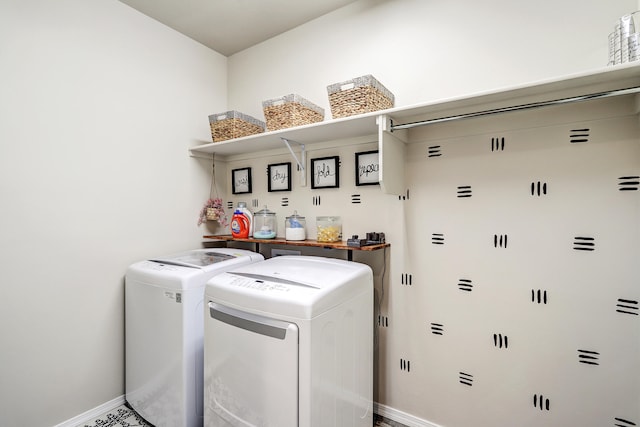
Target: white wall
x=98, y=107
x=425, y=51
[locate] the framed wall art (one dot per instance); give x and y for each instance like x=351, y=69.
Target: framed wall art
x=241, y=181
x=279, y=176
x=325, y=172
x=367, y=168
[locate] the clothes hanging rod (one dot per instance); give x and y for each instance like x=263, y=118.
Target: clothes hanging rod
x=521, y=107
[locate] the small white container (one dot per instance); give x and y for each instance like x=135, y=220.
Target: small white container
x=295, y=227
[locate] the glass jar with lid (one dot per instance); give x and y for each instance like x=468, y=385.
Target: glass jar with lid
x=329, y=228
x=295, y=227
x=265, y=224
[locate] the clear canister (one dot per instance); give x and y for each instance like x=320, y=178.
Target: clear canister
x=295, y=227
x=329, y=228
x=265, y=225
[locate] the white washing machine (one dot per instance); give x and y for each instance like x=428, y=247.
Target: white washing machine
x=289, y=342
x=164, y=332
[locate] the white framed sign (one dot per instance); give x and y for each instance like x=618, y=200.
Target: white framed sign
x=325, y=172
x=279, y=177
x=241, y=181
x=368, y=168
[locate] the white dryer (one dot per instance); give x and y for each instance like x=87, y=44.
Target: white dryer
x=289, y=342
x=164, y=332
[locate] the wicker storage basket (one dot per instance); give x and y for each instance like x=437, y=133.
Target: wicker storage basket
x=360, y=95
x=212, y=215
x=289, y=111
x=233, y=124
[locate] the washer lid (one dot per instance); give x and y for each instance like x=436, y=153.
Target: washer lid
x=296, y=286
x=199, y=258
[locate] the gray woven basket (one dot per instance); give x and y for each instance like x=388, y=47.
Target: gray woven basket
x=234, y=124
x=289, y=111
x=359, y=95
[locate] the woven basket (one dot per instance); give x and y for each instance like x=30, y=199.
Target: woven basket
x=289, y=111
x=357, y=96
x=212, y=215
x=233, y=124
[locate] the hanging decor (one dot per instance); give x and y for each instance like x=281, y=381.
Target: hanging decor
x=213, y=210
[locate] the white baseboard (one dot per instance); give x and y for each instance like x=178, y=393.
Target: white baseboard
x=93, y=413
x=401, y=417
x=378, y=408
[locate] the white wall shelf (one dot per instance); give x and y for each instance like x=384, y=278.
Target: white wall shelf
x=378, y=124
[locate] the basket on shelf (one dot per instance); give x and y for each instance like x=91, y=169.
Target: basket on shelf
x=289, y=111
x=359, y=95
x=233, y=124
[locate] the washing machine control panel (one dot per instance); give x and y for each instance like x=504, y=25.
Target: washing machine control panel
x=258, y=285
x=152, y=265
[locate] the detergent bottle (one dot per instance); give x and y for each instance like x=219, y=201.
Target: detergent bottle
x=242, y=222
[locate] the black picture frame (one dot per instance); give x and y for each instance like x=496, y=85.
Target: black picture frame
x=368, y=168
x=279, y=177
x=325, y=172
x=241, y=181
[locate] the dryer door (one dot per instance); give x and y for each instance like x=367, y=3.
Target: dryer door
x=251, y=370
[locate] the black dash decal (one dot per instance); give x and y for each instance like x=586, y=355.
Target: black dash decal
x=538, y=188
x=464, y=191
x=383, y=321
x=500, y=341
x=627, y=306
x=541, y=402
x=584, y=243
x=434, y=151
x=588, y=357
x=405, y=365
x=497, y=144
x=577, y=136
x=623, y=422
x=437, y=328
x=407, y=279
x=316, y=200
x=355, y=199
x=539, y=296
x=499, y=240
x=465, y=285
x=437, y=238
x=229, y=205
x=466, y=379
x=629, y=183
x=284, y=201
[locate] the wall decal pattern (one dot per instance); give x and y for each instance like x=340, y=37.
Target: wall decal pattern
x=437, y=328
x=465, y=285
x=577, y=136
x=560, y=295
x=466, y=379
x=434, y=151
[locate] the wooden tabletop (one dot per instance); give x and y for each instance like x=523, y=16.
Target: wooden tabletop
x=311, y=243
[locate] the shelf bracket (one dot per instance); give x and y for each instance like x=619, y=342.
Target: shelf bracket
x=301, y=162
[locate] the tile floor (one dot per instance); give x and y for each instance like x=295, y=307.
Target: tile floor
x=122, y=416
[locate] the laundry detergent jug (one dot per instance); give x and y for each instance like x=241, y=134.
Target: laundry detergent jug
x=242, y=222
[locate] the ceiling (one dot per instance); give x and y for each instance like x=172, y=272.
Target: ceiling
x=229, y=26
